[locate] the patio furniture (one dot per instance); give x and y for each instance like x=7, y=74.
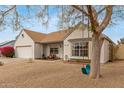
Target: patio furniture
x=52, y=56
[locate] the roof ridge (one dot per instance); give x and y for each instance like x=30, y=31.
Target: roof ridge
x=68, y=29
x=33, y=31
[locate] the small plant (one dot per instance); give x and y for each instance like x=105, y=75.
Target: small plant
x=30, y=60
x=1, y=63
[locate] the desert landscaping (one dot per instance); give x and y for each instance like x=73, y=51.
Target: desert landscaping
x=22, y=73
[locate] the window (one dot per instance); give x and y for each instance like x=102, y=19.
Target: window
x=80, y=49
x=23, y=35
x=53, y=50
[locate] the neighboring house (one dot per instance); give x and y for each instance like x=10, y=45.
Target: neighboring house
x=73, y=43
x=119, y=50
x=119, y=54
x=7, y=43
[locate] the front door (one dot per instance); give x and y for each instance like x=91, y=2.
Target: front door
x=54, y=51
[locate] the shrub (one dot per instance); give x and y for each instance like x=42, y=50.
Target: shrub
x=7, y=51
x=1, y=63
x=0, y=52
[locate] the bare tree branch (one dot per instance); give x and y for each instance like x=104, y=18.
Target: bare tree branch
x=5, y=12
x=100, y=11
x=106, y=20
x=92, y=17
x=81, y=10
x=95, y=16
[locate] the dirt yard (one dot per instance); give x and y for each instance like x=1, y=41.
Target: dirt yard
x=41, y=74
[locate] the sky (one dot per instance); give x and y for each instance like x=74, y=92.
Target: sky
x=115, y=32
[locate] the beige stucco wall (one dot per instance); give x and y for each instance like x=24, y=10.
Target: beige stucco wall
x=77, y=34
x=84, y=34
x=120, y=51
x=104, y=57
x=38, y=50
x=24, y=41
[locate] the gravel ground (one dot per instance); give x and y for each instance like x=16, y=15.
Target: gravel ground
x=40, y=74
x=12, y=60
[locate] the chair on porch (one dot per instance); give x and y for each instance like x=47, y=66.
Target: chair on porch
x=52, y=56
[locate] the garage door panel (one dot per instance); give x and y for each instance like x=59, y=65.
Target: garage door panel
x=24, y=52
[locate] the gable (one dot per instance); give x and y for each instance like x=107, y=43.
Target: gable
x=35, y=36
x=79, y=34
x=23, y=39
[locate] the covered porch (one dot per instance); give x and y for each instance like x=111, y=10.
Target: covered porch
x=53, y=50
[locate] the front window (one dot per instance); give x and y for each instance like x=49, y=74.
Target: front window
x=53, y=50
x=80, y=49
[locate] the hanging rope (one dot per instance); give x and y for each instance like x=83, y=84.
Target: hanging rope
x=88, y=36
x=88, y=28
x=82, y=26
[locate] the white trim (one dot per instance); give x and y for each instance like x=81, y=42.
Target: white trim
x=76, y=57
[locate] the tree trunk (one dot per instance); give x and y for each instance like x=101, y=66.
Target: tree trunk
x=95, y=58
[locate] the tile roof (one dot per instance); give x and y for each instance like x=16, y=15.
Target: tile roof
x=50, y=37
x=56, y=36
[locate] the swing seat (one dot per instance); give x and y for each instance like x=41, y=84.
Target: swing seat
x=86, y=70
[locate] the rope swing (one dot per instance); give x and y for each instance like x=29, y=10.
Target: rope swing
x=84, y=19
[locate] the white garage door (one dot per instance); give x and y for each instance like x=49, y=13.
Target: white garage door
x=24, y=52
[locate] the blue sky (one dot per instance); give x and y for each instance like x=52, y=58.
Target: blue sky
x=33, y=24
x=115, y=32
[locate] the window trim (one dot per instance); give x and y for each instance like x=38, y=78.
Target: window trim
x=54, y=50
x=81, y=43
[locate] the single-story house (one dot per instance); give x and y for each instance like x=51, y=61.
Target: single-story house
x=73, y=43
